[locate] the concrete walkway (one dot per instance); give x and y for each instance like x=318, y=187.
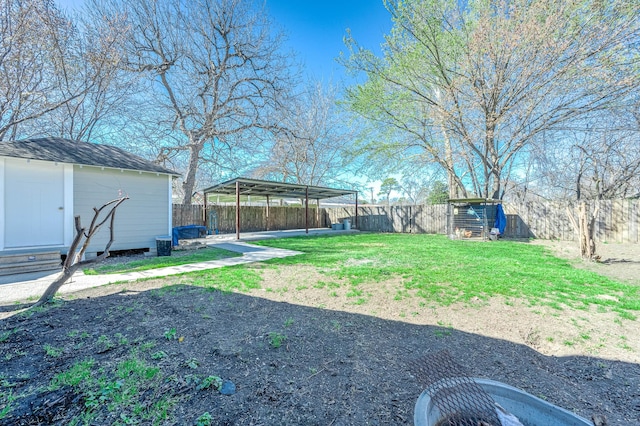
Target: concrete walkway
x=15, y=288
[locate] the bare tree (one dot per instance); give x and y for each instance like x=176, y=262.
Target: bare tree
x=45, y=65
x=215, y=67
x=473, y=84
x=78, y=247
x=109, y=98
x=311, y=141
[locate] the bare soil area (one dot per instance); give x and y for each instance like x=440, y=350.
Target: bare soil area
x=618, y=261
x=345, y=358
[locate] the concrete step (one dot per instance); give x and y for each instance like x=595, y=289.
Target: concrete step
x=19, y=263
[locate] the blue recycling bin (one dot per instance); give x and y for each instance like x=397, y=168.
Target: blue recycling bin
x=188, y=232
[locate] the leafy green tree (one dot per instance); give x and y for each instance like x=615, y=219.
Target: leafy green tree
x=472, y=85
x=438, y=193
x=388, y=185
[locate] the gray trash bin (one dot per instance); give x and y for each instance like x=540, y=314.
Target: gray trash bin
x=347, y=224
x=163, y=245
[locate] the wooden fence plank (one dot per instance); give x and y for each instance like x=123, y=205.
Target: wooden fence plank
x=617, y=221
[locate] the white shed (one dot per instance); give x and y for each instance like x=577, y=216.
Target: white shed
x=44, y=183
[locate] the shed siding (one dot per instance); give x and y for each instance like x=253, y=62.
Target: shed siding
x=138, y=220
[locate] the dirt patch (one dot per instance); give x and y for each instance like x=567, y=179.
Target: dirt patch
x=618, y=261
x=343, y=359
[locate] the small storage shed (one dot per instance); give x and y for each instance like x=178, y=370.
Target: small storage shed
x=44, y=183
x=474, y=218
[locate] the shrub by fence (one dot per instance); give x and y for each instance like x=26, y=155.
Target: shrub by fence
x=617, y=220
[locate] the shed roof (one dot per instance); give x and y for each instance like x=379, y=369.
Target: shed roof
x=279, y=189
x=474, y=200
x=81, y=153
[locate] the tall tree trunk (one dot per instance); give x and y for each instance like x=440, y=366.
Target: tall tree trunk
x=584, y=225
x=189, y=182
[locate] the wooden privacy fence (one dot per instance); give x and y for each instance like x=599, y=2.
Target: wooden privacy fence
x=252, y=218
x=617, y=220
x=420, y=219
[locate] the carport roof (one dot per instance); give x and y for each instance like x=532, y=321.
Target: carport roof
x=278, y=189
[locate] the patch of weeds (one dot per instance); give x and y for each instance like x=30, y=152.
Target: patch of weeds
x=171, y=334
x=401, y=294
x=120, y=391
x=320, y=284
x=336, y=325
x=402, y=315
x=360, y=301
x=78, y=334
x=556, y=306
x=443, y=333
x=76, y=374
x=617, y=321
x=205, y=419
x=550, y=339
x=276, y=339
x=627, y=315
x=159, y=355
x=136, y=305
x=4, y=336
x=8, y=397
x=569, y=343
x=147, y=345
x=52, y=351
x=210, y=382
x=122, y=340
x=288, y=322
x=301, y=287
x=585, y=336
x=333, y=294
x=624, y=345
x=354, y=292
x=105, y=343
x=192, y=363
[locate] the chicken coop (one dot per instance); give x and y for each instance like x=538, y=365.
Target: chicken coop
x=475, y=218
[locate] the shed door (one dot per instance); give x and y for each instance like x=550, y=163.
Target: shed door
x=34, y=204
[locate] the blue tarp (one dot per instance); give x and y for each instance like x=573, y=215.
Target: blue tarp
x=501, y=219
x=187, y=232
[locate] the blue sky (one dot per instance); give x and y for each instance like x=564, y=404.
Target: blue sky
x=316, y=28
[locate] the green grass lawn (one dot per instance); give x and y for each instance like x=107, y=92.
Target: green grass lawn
x=182, y=257
x=443, y=271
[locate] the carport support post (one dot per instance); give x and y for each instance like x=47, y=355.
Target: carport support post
x=306, y=209
x=318, y=214
x=204, y=211
x=237, y=210
x=267, y=212
x=356, y=224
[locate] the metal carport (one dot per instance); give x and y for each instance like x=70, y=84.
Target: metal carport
x=243, y=186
